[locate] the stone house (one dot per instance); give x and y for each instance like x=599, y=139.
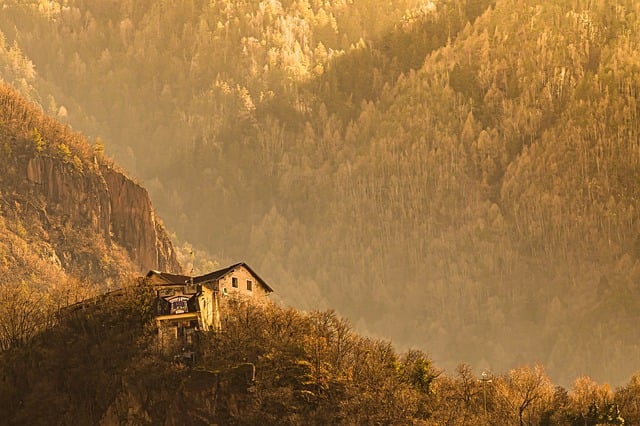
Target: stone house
x=186, y=304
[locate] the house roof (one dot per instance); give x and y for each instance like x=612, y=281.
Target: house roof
x=165, y=278
x=220, y=273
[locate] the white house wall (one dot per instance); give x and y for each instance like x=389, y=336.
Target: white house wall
x=242, y=274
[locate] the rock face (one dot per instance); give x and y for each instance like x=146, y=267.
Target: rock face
x=107, y=202
x=82, y=198
x=66, y=211
x=134, y=224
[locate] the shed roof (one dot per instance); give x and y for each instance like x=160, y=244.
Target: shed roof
x=166, y=278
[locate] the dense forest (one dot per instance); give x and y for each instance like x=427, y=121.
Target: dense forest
x=101, y=364
x=459, y=176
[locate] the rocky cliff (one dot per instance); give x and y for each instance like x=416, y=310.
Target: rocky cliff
x=62, y=202
x=135, y=226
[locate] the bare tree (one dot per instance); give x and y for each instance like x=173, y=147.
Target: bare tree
x=22, y=313
x=525, y=391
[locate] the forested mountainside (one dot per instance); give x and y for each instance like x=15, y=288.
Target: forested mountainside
x=457, y=175
x=71, y=224
x=102, y=365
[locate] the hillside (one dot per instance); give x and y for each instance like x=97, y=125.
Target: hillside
x=101, y=365
x=459, y=176
x=71, y=224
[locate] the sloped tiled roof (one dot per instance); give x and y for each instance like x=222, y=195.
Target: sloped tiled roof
x=216, y=275
x=165, y=278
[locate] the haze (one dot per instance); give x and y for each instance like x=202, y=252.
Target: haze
x=456, y=176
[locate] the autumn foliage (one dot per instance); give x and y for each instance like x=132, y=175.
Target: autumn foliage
x=102, y=364
x=458, y=175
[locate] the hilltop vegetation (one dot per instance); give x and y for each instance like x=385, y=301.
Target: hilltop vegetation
x=101, y=364
x=49, y=257
x=64, y=233
x=457, y=175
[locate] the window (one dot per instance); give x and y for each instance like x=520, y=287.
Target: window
x=249, y=285
x=234, y=282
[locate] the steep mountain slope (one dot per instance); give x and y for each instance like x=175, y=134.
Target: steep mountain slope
x=71, y=223
x=458, y=175
x=510, y=162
